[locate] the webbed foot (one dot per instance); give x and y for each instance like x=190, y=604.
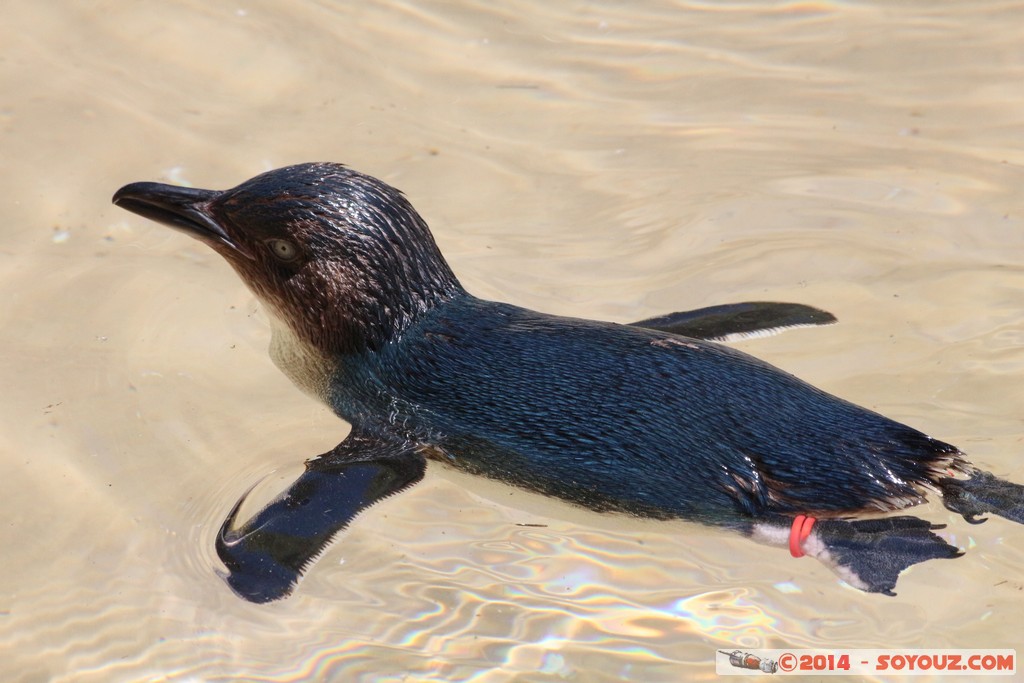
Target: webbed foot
x=870, y=554
x=983, y=492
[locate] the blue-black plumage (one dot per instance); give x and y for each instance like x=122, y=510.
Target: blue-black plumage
x=653, y=419
x=642, y=421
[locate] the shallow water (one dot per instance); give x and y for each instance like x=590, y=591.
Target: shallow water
x=605, y=160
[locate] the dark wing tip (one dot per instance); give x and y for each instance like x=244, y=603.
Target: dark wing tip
x=731, y=322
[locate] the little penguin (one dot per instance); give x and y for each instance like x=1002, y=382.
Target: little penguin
x=656, y=419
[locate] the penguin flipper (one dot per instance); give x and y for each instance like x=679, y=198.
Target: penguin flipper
x=983, y=492
x=869, y=554
x=731, y=322
x=267, y=554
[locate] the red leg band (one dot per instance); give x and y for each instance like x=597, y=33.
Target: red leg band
x=798, y=533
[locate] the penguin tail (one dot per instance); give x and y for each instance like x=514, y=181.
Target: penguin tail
x=868, y=554
x=983, y=492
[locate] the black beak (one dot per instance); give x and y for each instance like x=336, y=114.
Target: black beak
x=182, y=208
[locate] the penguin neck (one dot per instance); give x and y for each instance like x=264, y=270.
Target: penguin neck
x=373, y=312
x=346, y=311
x=348, y=381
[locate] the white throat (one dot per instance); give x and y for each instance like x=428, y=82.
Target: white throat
x=304, y=365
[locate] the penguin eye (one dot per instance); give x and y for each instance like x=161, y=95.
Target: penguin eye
x=283, y=250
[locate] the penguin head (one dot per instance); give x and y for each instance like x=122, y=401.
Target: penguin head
x=340, y=257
